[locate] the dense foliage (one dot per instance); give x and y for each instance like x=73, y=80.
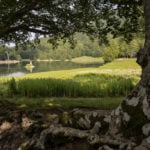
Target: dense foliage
x=84, y=47
x=13, y=55
x=61, y=19
x=118, y=48
x=58, y=20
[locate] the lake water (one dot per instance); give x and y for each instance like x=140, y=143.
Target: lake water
x=19, y=68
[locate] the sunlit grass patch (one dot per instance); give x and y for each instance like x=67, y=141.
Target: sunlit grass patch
x=121, y=64
x=88, y=60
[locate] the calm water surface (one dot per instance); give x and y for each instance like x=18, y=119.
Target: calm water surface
x=19, y=68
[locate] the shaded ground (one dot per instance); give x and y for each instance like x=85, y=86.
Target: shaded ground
x=16, y=126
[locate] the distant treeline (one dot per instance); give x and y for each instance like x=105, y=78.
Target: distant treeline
x=84, y=47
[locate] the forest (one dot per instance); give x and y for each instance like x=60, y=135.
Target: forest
x=117, y=48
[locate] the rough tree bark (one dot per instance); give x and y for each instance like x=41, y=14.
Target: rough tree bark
x=132, y=117
x=129, y=124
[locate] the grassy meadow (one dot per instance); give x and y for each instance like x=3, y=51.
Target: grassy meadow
x=88, y=60
x=115, y=79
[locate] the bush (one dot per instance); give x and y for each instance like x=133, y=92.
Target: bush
x=111, y=52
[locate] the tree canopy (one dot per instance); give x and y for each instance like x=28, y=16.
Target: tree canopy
x=61, y=19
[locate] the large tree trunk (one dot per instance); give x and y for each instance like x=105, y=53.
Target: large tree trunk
x=137, y=104
x=132, y=118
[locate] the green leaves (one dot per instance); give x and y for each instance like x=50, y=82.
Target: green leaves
x=111, y=52
x=61, y=19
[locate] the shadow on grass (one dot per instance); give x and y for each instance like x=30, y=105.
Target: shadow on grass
x=107, y=103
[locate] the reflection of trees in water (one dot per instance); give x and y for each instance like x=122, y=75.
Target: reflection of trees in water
x=8, y=58
x=60, y=65
x=6, y=69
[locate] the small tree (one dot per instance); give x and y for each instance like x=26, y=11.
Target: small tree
x=111, y=52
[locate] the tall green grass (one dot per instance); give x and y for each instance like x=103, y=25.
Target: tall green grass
x=86, y=85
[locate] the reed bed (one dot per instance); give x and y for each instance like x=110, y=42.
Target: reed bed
x=85, y=85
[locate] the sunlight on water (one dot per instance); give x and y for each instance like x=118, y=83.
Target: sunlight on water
x=15, y=74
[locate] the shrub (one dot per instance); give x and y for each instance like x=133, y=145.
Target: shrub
x=111, y=52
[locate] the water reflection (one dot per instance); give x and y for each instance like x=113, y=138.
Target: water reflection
x=15, y=74
x=19, y=68
x=8, y=67
x=29, y=68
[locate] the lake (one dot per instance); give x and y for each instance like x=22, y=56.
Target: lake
x=19, y=69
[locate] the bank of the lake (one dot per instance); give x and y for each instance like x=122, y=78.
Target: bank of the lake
x=9, y=62
x=17, y=69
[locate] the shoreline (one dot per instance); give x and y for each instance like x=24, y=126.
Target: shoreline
x=9, y=61
x=17, y=61
x=51, y=60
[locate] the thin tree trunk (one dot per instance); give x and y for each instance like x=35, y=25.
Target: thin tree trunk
x=7, y=54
